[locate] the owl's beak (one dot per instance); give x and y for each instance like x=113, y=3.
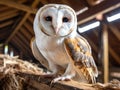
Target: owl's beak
x=56, y=27
x=56, y=30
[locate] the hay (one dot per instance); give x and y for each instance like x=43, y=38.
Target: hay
x=9, y=67
x=16, y=74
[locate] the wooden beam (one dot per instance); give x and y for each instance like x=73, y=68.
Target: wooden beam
x=66, y=2
x=44, y=1
x=105, y=54
x=104, y=7
x=25, y=43
x=7, y=13
x=25, y=48
x=8, y=16
x=18, y=6
x=31, y=19
x=117, y=34
x=17, y=28
x=6, y=23
x=25, y=33
x=29, y=27
x=19, y=45
x=3, y=8
x=114, y=55
x=19, y=1
x=21, y=22
x=23, y=39
x=115, y=31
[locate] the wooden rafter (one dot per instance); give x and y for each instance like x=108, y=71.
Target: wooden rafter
x=17, y=28
x=18, y=6
x=22, y=45
x=6, y=24
x=25, y=33
x=66, y=2
x=3, y=8
x=9, y=16
x=29, y=27
x=19, y=45
x=23, y=39
x=9, y=12
x=115, y=31
x=31, y=19
x=104, y=7
x=21, y=22
x=115, y=56
x=21, y=1
x=44, y=1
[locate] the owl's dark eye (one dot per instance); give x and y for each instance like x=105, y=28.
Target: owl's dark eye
x=65, y=19
x=48, y=18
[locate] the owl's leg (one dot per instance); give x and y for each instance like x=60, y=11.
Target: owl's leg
x=69, y=74
x=53, y=68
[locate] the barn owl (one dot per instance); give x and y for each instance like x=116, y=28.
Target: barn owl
x=59, y=48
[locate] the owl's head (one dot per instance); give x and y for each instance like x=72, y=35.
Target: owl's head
x=56, y=20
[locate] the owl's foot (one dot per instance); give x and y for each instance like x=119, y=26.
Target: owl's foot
x=62, y=78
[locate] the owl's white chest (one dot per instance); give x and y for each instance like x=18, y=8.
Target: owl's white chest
x=53, y=50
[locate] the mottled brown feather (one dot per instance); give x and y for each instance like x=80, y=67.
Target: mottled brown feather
x=76, y=47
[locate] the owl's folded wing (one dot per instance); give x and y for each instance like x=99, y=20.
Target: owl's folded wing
x=37, y=54
x=80, y=52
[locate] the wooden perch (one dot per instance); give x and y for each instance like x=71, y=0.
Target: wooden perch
x=16, y=74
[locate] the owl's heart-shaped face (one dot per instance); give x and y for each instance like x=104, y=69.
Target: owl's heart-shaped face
x=57, y=20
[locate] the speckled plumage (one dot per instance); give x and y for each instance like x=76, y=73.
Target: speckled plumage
x=58, y=47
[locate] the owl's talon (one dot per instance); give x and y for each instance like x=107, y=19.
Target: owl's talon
x=62, y=78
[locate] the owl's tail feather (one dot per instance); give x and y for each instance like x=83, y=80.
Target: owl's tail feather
x=86, y=75
x=92, y=76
